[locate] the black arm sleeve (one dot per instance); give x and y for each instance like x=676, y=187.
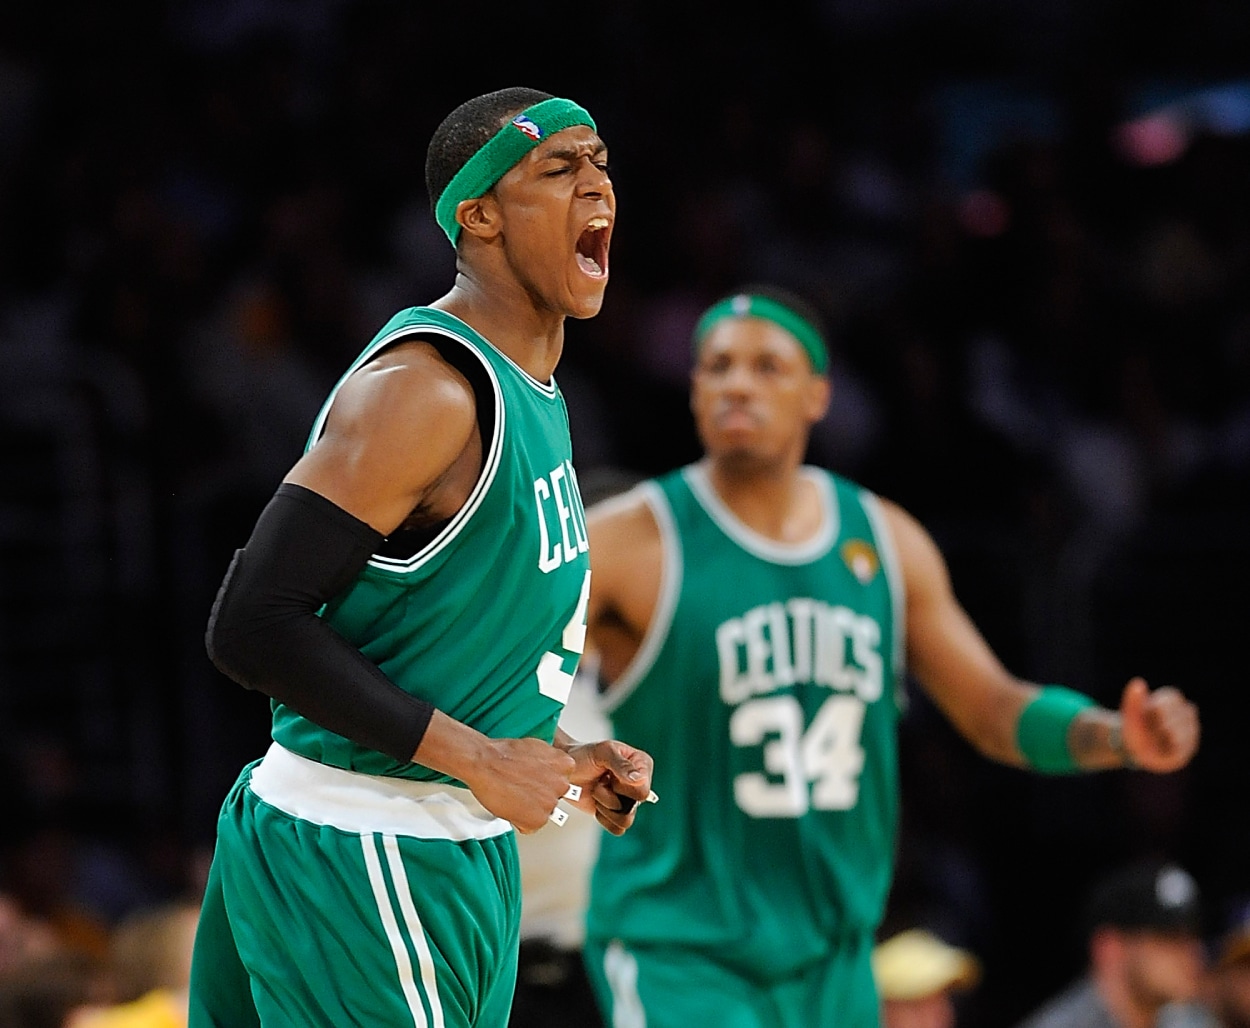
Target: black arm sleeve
x=264, y=631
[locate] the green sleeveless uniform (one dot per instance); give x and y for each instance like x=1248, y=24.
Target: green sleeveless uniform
x=765, y=689
x=396, y=894
x=488, y=620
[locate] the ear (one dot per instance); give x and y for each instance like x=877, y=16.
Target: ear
x=694, y=384
x=480, y=217
x=820, y=391
x=1106, y=947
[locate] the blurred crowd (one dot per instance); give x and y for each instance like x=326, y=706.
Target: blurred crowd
x=1147, y=962
x=135, y=975
x=1034, y=283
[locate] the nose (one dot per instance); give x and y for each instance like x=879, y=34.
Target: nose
x=738, y=379
x=592, y=181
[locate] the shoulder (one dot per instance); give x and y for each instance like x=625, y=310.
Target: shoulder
x=627, y=558
x=905, y=530
x=394, y=429
x=900, y=521
x=848, y=490
x=921, y=563
x=625, y=520
x=909, y=535
x=626, y=548
x=408, y=389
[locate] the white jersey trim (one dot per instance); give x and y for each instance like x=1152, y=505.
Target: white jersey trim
x=490, y=466
x=805, y=552
x=898, y=591
x=671, y=569
x=548, y=389
x=360, y=803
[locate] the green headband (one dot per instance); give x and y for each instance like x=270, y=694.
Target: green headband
x=500, y=154
x=745, y=305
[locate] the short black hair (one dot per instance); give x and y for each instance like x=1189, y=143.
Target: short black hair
x=466, y=129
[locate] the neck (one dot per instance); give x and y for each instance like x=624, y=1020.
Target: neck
x=507, y=315
x=773, y=499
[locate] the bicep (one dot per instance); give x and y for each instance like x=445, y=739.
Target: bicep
x=391, y=433
x=345, y=467
x=610, y=526
x=947, y=654
x=601, y=584
x=626, y=567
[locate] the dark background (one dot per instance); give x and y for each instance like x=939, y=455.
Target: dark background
x=1041, y=334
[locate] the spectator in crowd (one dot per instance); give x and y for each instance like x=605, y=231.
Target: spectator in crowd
x=150, y=970
x=1144, y=925
x=22, y=937
x=916, y=974
x=49, y=989
x=1225, y=998
x=1231, y=980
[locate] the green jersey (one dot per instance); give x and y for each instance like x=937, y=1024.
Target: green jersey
x=486, y=620
x=765, y=689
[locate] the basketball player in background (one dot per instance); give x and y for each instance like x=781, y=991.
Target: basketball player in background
x=753, y=618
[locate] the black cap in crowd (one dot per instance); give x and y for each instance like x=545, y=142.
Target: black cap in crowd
x=1157, y=896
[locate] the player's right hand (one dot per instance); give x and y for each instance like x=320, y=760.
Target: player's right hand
x=1160, y=728
x=521, y=780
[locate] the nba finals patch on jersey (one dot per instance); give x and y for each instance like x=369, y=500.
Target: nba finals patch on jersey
x=861, y=557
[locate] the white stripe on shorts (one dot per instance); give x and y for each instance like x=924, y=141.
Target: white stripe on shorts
x=398, y=949
x=399, y=878
x=621, y=969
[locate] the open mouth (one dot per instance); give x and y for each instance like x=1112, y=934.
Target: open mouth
x=592, y=248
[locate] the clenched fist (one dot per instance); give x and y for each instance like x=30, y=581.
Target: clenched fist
x=1159, y=730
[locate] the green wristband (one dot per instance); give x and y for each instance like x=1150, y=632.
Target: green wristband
x=1042, y=731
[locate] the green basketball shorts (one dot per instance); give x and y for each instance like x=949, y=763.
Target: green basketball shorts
x=675, y=987
x=337, y=898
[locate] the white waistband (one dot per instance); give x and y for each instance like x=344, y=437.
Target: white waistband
x=355, y=802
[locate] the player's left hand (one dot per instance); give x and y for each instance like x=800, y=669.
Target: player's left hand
x=1159, y=729
x=614, y=777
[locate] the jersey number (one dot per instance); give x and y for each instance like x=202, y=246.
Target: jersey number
x=553, y=680
x=816, y=769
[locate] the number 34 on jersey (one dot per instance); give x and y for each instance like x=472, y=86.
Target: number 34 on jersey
x=762, y=655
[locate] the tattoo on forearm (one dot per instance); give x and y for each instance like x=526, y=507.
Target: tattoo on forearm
x=1095, y=742
x=1086, y=738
